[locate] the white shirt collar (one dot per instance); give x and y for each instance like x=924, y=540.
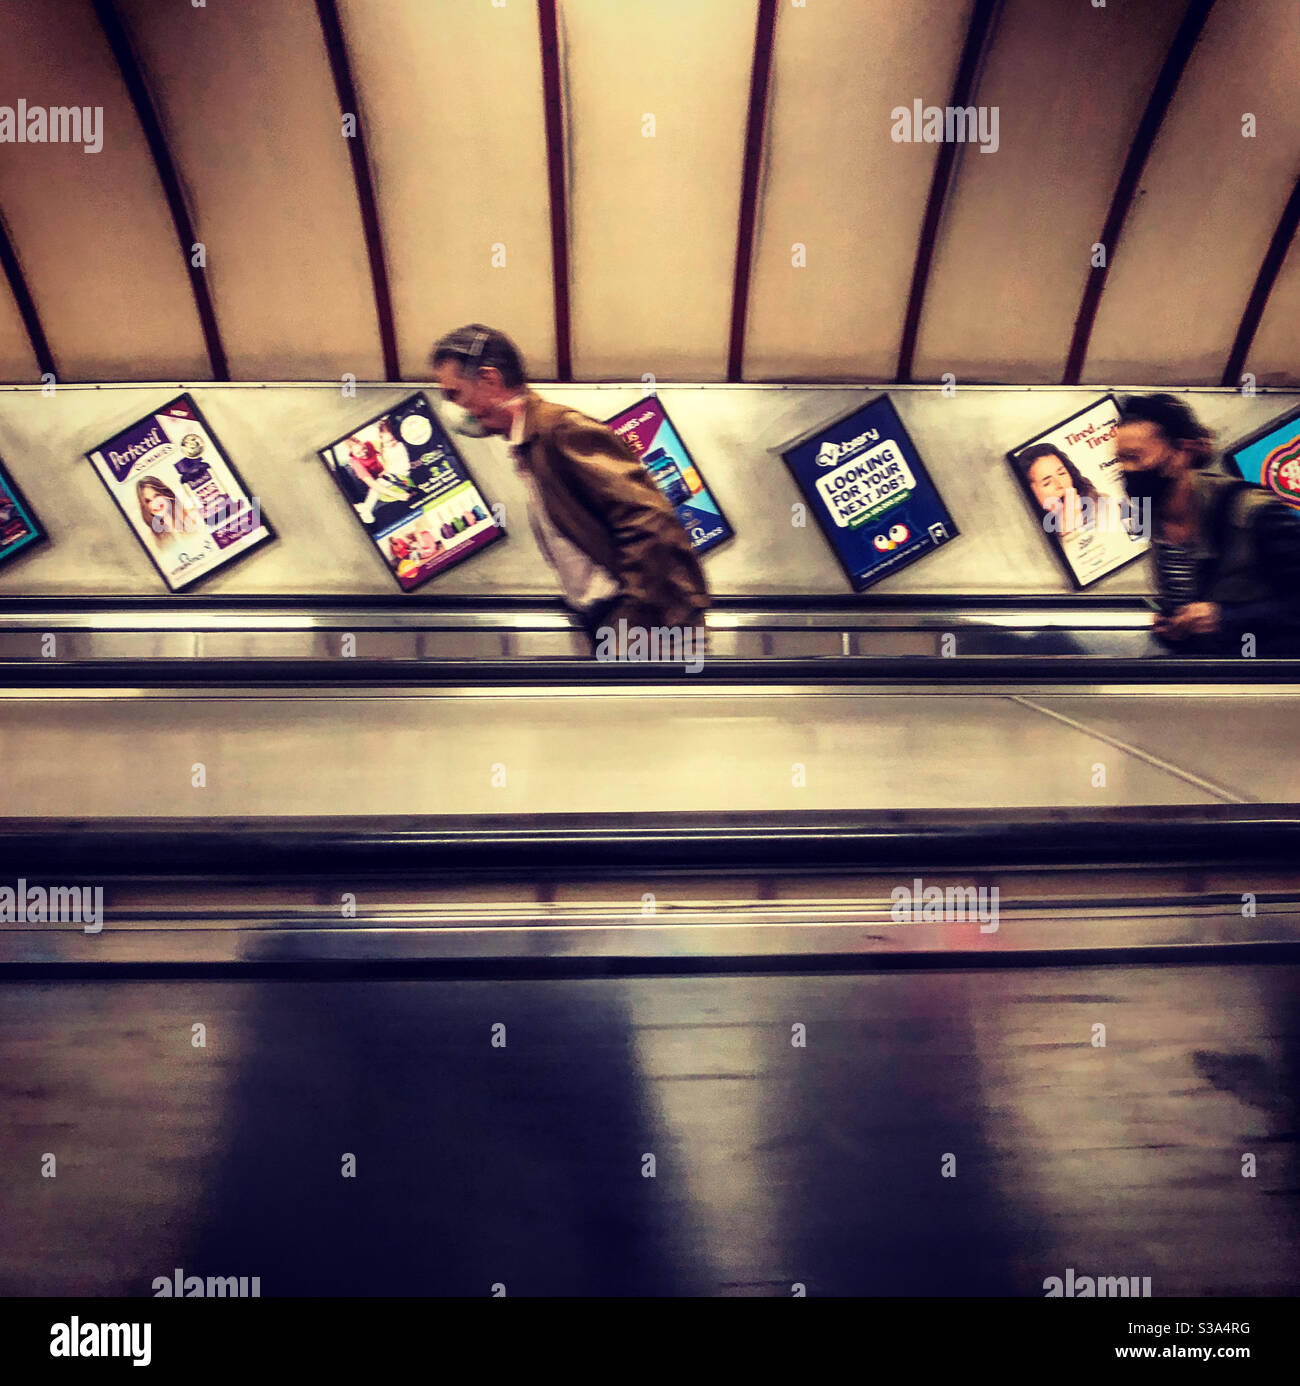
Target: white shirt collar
x=518, y=407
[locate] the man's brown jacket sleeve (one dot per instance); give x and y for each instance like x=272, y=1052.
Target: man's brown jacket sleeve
x=653, y=559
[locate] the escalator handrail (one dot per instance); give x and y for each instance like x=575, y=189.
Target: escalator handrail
x=142, y=848
x=192, y=670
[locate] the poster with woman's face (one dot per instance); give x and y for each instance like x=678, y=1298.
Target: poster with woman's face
x=1075, y=490
x=180, y=494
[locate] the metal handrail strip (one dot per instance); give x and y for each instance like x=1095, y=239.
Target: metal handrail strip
x=1202, y=835
x=864, y=670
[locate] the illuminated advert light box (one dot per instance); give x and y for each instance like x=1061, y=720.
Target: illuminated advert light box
x=873, y=498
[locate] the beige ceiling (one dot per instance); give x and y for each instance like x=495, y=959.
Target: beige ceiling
x=1208, y=206
x=838, y=192
x=452, y=97
x=1014, y=245
x=655, y=101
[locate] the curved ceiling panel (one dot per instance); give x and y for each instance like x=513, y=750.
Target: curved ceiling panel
x=1274, y=358
x=837, y=184
x=1207, y=205
x=440, y=126
x=247, y=102
x=654, y=206
x=1013, y=249
x=92, y=231
x=326, y=257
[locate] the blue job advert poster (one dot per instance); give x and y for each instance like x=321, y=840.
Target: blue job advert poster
x=871, y=494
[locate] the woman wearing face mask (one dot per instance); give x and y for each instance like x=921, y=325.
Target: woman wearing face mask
x=1227, y=554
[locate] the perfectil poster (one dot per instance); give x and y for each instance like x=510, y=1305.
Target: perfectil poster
x=412, y=492
x=871, y=494
x=19, y=527
x=1075, y=490
x=647, y=429
x=180, y=493
x=1271, y=458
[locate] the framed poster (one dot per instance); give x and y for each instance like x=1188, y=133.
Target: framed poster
x=871, y=493
x=1270, y=457
x=647, y=429
x=412, y=492
x=180, y=493
x=1075, y=490
x=19, y=527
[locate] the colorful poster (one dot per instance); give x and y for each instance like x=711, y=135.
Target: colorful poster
x=646, y=428
x=1075, y=490
x=19, y=527
x=865, y=482
x=412, y=493
x=180, y=493
x=1271, y=458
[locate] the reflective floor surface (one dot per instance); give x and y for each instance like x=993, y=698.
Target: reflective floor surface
x=775, y=1162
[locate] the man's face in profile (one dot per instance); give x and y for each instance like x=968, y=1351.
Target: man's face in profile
x=482, y=394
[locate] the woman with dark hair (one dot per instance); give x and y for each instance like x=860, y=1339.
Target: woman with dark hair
x=1173, y=420
x=1088, y=523
x=1056, y=484
x=1227, y=554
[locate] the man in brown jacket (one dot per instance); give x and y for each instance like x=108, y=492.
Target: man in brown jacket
x=614, y=540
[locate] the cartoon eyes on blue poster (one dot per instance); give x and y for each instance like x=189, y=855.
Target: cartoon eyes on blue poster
x=649, y=432
x=871, y=494
x=18, y=526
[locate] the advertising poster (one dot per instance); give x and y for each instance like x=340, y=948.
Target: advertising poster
x=872, y=496
x=1271, y=458
x=412, y=493
x=180, y=494
x=1075, y=490
x=19, y=527
x=650, y=434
